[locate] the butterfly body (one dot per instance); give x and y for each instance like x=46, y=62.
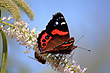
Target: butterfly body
x=55, y=38
x=39, y=58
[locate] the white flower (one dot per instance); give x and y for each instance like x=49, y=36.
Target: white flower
x=27, y=51
x=74, y=67
x=84, y=69
x=66, y=60
x=9, y=18
x=34, y=29
x=26, y=25
x=34, y=38
x=24, y=29
x=4, y=18
x=2, y=26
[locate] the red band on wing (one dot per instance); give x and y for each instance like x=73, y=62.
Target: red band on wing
x=56, y=31
x=66, y=45
x=43, y=37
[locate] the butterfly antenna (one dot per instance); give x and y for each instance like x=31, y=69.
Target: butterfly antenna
x=84, y=49
x=79, y=39
x=32, y=58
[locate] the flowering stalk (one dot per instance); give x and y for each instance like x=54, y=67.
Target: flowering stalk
x=74, y=68
x=19, y=31
x=28, y=38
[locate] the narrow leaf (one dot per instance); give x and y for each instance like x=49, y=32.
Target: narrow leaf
x=4, y=53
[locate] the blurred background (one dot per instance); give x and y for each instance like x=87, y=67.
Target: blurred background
x=90, y=18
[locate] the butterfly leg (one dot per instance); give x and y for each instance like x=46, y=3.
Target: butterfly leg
x=72, y=55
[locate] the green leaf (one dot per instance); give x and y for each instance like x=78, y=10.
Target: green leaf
x=4, y=53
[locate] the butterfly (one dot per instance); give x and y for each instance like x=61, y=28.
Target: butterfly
x=56, y=38
x=39, y=58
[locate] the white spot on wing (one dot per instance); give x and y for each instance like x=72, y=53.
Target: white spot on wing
x=56, y=23
x=63, y=23
x=62, y=17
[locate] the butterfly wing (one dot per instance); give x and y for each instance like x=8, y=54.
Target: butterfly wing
x=55, y=34
x=57, y=25
x=63, y=48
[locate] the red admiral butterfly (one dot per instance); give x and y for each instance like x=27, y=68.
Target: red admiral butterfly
x=55, y=38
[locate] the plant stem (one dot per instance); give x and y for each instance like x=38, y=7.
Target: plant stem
x=5, y=52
